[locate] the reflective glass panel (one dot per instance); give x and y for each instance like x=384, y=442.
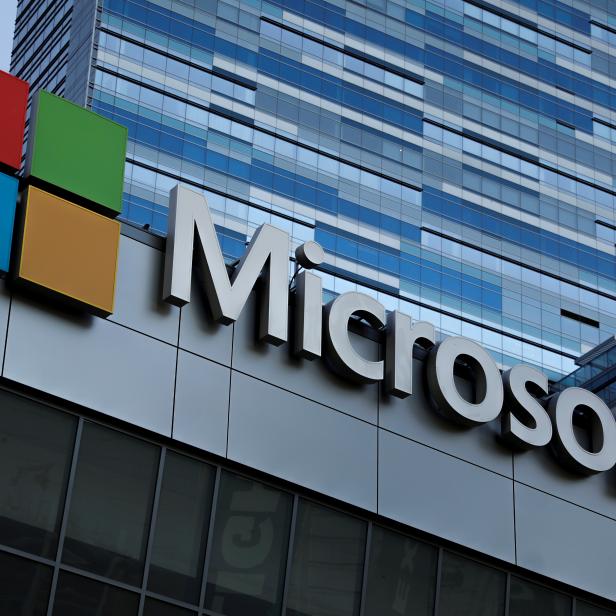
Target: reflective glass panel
x=24, y=586
x=176, y=569
x=249, y=548
x=79, y=596
x=401, y=576
x=586, y=609
x=158, y=608
x=328, y=561
x=528, y=599
x=36, y=447
x=111, y=504
x=470, y=588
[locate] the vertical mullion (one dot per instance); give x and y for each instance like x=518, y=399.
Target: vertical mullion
x=65, y=512
x=437, y=587
x=210, y=535
x=153, y=519
x=287, y=575
x=364, y=581
x=573, y=606
x=507, y=593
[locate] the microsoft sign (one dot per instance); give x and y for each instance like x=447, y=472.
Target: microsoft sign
x=527, y=421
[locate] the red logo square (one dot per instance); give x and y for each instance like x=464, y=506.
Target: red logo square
x=13, y=102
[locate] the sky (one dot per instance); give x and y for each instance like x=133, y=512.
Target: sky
x=7, y=24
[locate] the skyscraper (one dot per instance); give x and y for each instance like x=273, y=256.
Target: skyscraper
x=454, y=157
x=455, y=160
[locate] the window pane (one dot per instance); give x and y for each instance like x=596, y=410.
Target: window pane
x=181, y=528
x=249, y=548
x=532, y=600
x=158, y=608
x=401, y=576
x=327, y=566
x=586, y=609
x=35, y=458
x=24, y=586
x=111, y=504
x=79, y=596
x=470, y=588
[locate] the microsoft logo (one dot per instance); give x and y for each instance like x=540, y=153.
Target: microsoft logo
x=61, y=236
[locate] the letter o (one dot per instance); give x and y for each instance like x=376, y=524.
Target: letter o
x=442, y=385
x=565, y=443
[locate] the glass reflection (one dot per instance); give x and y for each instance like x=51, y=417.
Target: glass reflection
x=401, y=576
x=24, y=586
x=79, y=596
x=36, y=446
x=176, y=569
x=328, y=563
x=249, y=548
x=111, y=504
x=468, y=587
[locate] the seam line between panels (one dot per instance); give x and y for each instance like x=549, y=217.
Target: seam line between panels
x=175, y=378
x=6, y=333
x=564, y=500
x=327, y=406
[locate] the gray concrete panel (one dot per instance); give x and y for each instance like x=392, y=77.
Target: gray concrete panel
x=200, y=334
x=201, y=403
x=303, y=442
x=92, y=362
x=311, y=379
x=414, y=418
x=138, y=302
x=565, y=542
x=538, y=468
x=445, y=496
x=5, y=303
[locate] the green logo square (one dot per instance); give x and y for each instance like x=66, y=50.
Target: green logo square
x=78, y=151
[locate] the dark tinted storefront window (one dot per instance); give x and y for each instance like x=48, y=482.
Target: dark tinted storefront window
x=401, y=576
x=586, y=609
x=249, y=548
x=36, y=447
x=24, y=586
x=158, y=608
x=109, y=513
x=176, y=568
x=79, y=596
x=470, y=588
x=328, y=562
x=528, y=599
x=111, y=504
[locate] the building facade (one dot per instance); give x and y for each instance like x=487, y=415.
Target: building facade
x=455, y=161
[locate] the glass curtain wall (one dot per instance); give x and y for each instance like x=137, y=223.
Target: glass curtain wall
x=454, y=159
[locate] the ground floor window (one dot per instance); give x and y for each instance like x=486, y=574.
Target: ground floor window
x=98, y=522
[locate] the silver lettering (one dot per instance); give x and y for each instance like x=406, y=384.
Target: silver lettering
x=402, y=335
x=603, y=431
x=308, y=315
x=443, y=389
x=521, y=405
x=190, y=219
x=342, y=356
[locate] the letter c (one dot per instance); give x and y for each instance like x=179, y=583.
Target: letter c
x=341, y=355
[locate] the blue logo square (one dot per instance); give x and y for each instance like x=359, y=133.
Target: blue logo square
x=8, y=203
